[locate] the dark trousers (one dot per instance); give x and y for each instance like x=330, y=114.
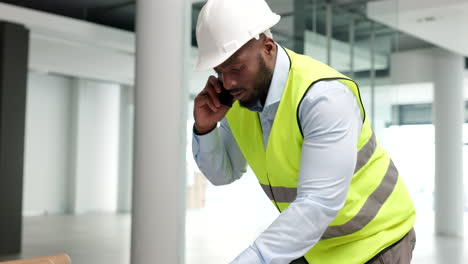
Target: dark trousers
x=400, y=252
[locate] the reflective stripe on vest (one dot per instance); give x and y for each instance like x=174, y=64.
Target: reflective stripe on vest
x=280, y=194
x=288, y=195
x=370, y=208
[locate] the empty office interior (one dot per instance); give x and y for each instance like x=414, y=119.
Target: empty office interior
x=91, y=63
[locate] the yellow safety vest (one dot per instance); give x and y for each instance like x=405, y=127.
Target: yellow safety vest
x=378, y=210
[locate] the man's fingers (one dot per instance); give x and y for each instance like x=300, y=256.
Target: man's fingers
x=214, y=97
x=212, y=106
x=215, y=83
x=212, y=88
x=204, y=99
x=209, y=96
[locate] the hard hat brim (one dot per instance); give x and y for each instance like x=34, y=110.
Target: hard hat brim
x=210, y=63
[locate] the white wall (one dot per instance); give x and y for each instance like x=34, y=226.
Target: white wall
x=72, y=146
x=412, y=66
x=46, y=144
x=97, y=145
x=413, y=77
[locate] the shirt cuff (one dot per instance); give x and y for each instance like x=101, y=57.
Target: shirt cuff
x=250, y=256
x=206, y=143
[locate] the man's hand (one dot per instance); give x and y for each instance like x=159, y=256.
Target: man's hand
x=207, y=109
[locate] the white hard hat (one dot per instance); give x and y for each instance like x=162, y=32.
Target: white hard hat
x=224, y=26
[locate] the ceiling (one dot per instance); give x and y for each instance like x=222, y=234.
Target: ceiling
x=114, y=13
x=442, y=23
x=121, y=13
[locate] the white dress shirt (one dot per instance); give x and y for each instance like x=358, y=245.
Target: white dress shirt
x=331, y=122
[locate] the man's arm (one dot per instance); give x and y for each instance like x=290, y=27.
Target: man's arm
x=331, y=122
x=215, y=150
x=218, y=156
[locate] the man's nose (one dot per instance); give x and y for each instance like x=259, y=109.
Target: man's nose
x=228, y=83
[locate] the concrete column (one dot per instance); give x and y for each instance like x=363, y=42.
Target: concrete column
x=352, y=31
x=314, y=16
x=329, y=30
x=448, y=113
x=372, y=73
x=124, y=190
x=71, y=189
x=96, y=141
x=14, y=43
x=158, y=215
x=300, y=15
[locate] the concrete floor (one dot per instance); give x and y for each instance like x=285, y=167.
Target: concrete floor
x=87, y=239
x=101, y=238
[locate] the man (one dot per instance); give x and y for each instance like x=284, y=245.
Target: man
x=302, y=128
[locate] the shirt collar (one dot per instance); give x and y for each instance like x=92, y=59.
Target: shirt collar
x=278, y=81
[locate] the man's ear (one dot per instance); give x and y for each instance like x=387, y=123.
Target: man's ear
x=269, y=46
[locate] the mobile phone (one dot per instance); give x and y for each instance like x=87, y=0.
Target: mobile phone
x=225, y=97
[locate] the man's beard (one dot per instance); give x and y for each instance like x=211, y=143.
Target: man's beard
x=261, y=86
